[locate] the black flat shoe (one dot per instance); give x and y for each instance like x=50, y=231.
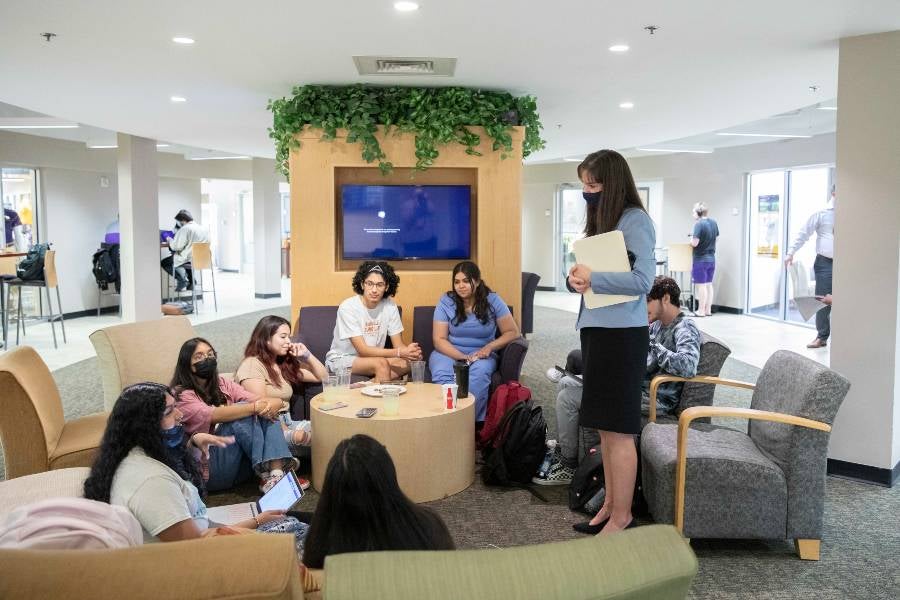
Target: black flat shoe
x=586, y=527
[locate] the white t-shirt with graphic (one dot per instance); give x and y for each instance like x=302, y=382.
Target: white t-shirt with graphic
x=354, y=319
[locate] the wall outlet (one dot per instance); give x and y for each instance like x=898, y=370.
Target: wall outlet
x=104, y=181
x=735, y=212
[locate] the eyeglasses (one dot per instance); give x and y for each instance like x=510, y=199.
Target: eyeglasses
x=378, y=285
x=197, y=357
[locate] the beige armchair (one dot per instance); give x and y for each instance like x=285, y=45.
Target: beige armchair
x=35, y=435
x=135, y=352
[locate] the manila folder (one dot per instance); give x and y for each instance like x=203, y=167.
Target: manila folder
x=603, y=253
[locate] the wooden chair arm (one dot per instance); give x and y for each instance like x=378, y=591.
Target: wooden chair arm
x=696, y=412
x=654, y=387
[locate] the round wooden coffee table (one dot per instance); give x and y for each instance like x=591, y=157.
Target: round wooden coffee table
x=432, y=448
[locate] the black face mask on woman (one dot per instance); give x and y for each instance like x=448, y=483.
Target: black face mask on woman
x=592, y=197
x=206, y=368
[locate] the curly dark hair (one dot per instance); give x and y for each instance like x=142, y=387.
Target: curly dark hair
x=387, y=271
x=665, y=286
x=184, y=379
x=362, y=508
x=134, y=423
x=482, y=308
x=258, y=347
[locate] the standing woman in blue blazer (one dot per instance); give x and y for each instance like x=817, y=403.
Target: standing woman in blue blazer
x=614, y=339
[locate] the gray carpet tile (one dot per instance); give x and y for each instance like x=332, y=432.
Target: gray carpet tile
x=860, y=548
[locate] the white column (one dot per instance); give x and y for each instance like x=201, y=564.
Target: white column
x=139, y=228
x=866, y=318
x=266, y=229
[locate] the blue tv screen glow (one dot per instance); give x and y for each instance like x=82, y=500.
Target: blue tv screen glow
x=404, y=222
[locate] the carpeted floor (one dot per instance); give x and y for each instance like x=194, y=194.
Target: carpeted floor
x=861, y=543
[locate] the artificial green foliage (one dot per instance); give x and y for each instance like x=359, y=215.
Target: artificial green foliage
x=436, y=116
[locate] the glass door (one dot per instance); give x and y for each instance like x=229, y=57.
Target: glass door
x=571, y=227
x=765, y=290
x=18, y=189
x=809, y=191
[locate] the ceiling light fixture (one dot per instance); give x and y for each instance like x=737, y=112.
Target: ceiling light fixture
x=573, y=159
x=35, y=123
x=102, y=146
x=162, y=145
x=183, y=40
x=13, y=179
x=178, y=99
x=674, y=150
x=406, y=6
x=618, y=48
x=765, y=135
x=219, y=158
x=626, y=105
x=827, y=107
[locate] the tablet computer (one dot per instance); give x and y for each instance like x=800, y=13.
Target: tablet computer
x=283, y=496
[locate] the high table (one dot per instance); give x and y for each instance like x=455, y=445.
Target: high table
x=433, y=448
x=8, y=262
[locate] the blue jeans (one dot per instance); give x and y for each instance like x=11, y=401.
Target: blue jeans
x=256, y=442
x=822, y=268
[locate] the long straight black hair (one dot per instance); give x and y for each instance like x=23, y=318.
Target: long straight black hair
x=481, y=308
x=362, y=508
x=184, y=379
x=619, y=192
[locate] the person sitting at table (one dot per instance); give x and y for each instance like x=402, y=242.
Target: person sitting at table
x=466, y=320
x=364, y=323
x=188, y=233
x=363, y=509
x=148, y=465
x=210, y=403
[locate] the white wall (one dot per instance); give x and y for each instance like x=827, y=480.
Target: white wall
x=224, y=195
x=175, y=194
x=716, y=179
x=538, y=218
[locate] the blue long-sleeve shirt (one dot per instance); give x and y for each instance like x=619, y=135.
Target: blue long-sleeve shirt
x=640, y=239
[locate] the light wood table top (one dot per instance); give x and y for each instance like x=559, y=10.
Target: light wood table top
x=433, y=448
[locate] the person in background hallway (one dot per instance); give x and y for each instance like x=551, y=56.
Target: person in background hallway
x=11, y=220
x=614, y=339
x=188, y=233
x=703, y=239
x=822, y=224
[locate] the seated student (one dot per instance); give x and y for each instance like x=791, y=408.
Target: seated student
x=146, y=464
x=273, y=365
x=465, y=326
x=363, y=509
x=674, y=350
x=365, y=321
x=210, y=403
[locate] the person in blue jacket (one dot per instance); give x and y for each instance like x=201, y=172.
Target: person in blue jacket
x=466, y=320
x=614, y=339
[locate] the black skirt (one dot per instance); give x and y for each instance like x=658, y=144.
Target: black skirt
x=615, y=362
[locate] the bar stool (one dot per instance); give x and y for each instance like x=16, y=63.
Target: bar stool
x=201, y=259
x=680, y=261
x=7, y=273
x=50, y=281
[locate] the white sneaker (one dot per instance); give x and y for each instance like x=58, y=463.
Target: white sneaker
x=553, y=374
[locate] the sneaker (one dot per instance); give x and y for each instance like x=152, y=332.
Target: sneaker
x=268, y=481
x=553, y=374
x=304, y=483
x=559, y=474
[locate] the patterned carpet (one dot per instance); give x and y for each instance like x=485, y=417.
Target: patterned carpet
x=861, y=542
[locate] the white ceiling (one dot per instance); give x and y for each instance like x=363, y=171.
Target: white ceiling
x=709, y=67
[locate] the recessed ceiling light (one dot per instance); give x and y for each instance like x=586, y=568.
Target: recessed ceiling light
x=618, y=48
x=674, y=150
x=102, y=146
x=406, y=6
x=183, y=40
x=178, y=99
x=766, y=135
x=162, y=145
x=573, y=159
x=626, y=105
x=219, y=158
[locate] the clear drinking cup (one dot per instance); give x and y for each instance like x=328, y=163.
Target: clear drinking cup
x=417, y=371
x=343, y=375
x=330, y=388
x=391, y=398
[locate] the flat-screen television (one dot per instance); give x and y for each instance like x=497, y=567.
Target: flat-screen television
x=406, y=222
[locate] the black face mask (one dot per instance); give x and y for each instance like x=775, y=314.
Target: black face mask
x=592, y=197
x=177, y=225
x=206, y=368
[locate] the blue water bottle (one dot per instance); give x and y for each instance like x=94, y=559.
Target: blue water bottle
x=548, y=459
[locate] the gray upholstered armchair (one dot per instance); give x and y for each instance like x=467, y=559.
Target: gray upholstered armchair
x=716, y=482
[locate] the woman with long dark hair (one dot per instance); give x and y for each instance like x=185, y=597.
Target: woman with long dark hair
x=466, y=320
x=614, y=338
x=362, y=508
x=146, y=464
x=210, y=403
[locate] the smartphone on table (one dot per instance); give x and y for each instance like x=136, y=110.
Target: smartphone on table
x=365, y=413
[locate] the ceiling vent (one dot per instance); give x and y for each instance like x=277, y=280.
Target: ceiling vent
x=415, y=66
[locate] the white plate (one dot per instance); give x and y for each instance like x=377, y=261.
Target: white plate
x=375, y=390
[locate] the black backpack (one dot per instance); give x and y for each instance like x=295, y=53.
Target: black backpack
x=588, y=479
x=515, y=452
x=31, y=268
x=106, y=266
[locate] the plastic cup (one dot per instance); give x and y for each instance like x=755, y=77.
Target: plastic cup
x=330, y=388
x=417, y=371
x=452, y=388
x=391, y=398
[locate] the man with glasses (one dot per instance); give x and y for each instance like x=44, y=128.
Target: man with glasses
x=364, y=323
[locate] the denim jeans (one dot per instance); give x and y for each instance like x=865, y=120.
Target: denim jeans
x=822, y=268
x=256, y=442
x=568, y=408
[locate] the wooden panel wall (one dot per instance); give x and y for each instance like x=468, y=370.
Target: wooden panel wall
x=316, y=278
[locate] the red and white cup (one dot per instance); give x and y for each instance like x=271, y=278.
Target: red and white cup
x=448, y=395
